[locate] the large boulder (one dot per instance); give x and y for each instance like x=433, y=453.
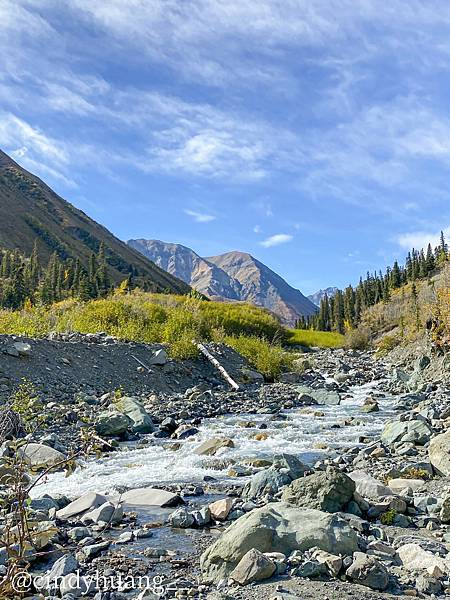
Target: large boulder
x=416, y=558
x=263, y=483
x=369, y=487
x=140, y=420
x=326, y=490
x=150, y=497
x=285, y=468
x=277, y=527
x=111, y=424
x=321, y=395
x=416, y=431
x=87, y=502
x=40, y=456
x=253, y=566
x=368, y=571
x=439, y=453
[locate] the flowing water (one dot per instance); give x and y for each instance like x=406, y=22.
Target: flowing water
x=299, y=432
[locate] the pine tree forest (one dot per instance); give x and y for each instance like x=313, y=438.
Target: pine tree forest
x=343, y=311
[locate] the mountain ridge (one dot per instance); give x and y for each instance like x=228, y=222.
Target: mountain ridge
x=235, y=276
x=30, y=210
x=317, y=297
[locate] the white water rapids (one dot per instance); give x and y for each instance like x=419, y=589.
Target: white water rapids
x=299, y=433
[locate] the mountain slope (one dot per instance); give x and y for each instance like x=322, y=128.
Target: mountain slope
x=316, y=298
x=231, y=276
x=263, y=287
x=30, y=210
x=185, y=264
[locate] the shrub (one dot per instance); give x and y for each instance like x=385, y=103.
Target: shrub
x=357, y=339
x=320, y=339
x=386, y=344
x=266, y=358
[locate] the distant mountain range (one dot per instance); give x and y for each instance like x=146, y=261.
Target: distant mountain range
x=317, y=297
x=232, y=276
x=30, y=210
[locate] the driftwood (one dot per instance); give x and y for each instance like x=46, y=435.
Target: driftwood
x=217, y=364
x=141, y=363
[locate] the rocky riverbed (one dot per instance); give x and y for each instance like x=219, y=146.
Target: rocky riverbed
x=329, y=484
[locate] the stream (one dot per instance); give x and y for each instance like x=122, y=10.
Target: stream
x=308, y=432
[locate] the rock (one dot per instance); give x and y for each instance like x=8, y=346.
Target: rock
x=76, y=534
x=331, y=561
x=111, y=424
x=39, y=456
x=277, y=527
x=87, y=502
x=93, y=550
x=328, y=491
x=370, y=405
x=76, y=585
x=426, y=584
x=106, y=514
x=368, y=571
x=210, y=447
x=321, y=395
x=140, y=420
x=399, y=484
x=415, y=558
x=251, y=376
x=369, y=487
x=267, y=482
x=160, y=358
x=220, y=509
x=202, y=517
x=439, y=453
x=416, y=431
x=181, y=519
x=150, y=497
x=124, y=538
x=444, y=514
x=311, y=569
x=63, y=566
x=253, y=566
x=21, y=349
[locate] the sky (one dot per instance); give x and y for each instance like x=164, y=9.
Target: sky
x=313, y=134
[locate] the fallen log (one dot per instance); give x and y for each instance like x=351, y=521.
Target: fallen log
x=207, y=354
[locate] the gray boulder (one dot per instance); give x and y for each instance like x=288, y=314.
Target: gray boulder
x=151, y=497
x=253, y=566
x=368, y=571
x=39, y=456
x=84, y=503
x=328, y=490
x=369, y=487
x=416, y=431
x=439, y=453
x=321, y=395
x=284, y=470
x=277, y=527
x=111, y=424
x=140, y=420
x=63, y=566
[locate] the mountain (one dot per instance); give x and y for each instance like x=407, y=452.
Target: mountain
x=232, y=276
x=30, y=210
x=316, y=298
x=188, y=266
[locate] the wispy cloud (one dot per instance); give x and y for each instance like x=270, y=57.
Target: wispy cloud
x=276, y=240
x=200, y=217
x=421, y=239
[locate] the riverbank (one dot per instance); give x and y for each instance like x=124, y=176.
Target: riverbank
x=337, y=456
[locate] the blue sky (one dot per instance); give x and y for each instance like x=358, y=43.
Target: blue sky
x=313, y=134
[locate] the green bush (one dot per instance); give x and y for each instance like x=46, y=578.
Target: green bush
x=358, y=339
x=266, y=358
x=386, y=344
x=319, y=339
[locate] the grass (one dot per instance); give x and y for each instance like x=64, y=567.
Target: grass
x=320, y=339
x=162, y=318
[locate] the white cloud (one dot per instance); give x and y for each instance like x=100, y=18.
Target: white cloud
x=257, y=229
x=277, y=239
x=200, y=217
x=421, y=239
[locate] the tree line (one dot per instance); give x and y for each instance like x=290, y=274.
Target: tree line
x=343, y=311
x=28, y=280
